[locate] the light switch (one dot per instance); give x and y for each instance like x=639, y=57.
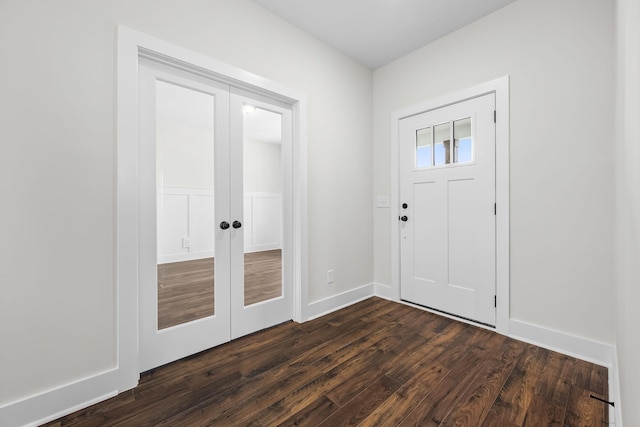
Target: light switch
x=382, y=202
x=330, y=277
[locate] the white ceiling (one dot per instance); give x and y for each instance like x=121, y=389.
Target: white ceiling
x=375, y=32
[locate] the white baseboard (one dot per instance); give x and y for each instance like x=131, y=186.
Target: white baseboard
x=386, y=292
x=53, y=404
x=166, y=259
x=579, y=347
x=48, y=406
x=335, y=302
x=562, y=342
x=262, y=248
x=192, y=256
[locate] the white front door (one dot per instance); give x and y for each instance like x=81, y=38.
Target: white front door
x=215, y=259
x=447, y=214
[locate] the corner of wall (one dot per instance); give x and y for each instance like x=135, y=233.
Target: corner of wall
x=336, y=302
x=387, y=292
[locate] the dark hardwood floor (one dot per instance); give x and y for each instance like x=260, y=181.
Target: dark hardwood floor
x=185, y=289
x=262, y=276
x=376, y=363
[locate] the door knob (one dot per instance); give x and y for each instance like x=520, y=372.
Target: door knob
x=224, y=225
x=237, y=224
x=404, y=218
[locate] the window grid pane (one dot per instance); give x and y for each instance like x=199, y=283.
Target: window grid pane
x=434, y=147
x=424, y=148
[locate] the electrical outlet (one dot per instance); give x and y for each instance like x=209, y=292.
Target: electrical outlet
x=186, y=243
x=330, y=276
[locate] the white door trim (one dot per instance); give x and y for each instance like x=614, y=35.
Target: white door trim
x=500, y=87
x=131, y=46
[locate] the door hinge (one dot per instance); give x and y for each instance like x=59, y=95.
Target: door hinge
x=495, y=209
x=495, y=301
x=494, y=116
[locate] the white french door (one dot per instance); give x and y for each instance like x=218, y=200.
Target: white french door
x=215, y=205
x=261, y=135
x=447, y=214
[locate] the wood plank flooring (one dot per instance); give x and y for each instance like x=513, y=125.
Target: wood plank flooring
x=186, y=291
x=262, y=276
x=376, y=363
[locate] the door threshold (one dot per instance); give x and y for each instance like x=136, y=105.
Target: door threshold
x=455, y=316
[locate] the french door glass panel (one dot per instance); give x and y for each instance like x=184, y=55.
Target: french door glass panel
x=262, y=182
x=261, y=131
x=185, y=203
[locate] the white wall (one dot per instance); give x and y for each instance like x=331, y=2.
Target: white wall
x=57, y=168
x=627, y=236
x=184, y=137
x=185, y=156
x=560, y=57
x=262, y=167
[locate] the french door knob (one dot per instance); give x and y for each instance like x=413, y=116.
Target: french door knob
x=404, y=218
x=237, y=224
x=224, y=225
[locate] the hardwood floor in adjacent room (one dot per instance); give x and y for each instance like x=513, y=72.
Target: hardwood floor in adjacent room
x=262, y=276
x=375, y=363
x=185, y=291
x=185, y=288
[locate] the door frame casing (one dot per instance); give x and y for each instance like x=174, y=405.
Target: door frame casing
x=131, y=46
x=500, y=87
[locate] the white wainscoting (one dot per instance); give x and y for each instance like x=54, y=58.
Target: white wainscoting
x=262, y=221
x=186, y=223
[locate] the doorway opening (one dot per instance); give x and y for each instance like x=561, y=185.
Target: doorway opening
x=192, y=231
